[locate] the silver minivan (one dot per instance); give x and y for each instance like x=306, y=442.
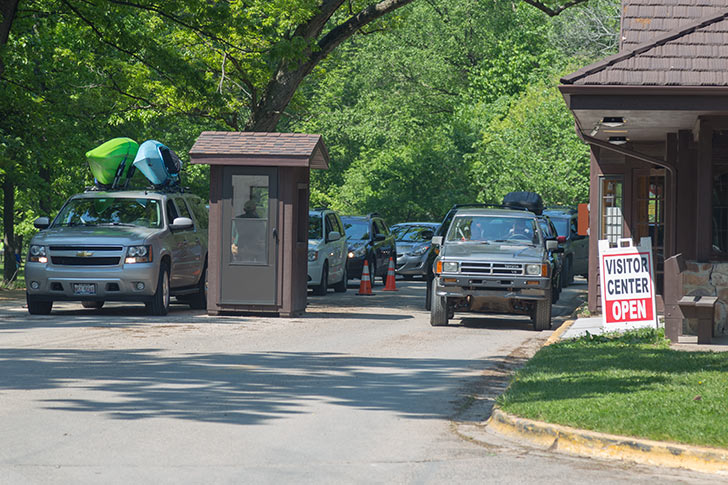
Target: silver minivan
x=142, y=246
x=327, y=252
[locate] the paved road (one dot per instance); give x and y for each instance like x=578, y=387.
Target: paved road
x=359, y=390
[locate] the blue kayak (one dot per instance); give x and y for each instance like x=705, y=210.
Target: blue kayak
x=158, y=163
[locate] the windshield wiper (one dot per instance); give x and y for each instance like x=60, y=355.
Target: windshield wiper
x=117, y=224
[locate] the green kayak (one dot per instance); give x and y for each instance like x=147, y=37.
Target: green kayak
x=110, y=162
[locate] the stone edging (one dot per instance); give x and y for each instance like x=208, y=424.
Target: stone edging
x=602, y=445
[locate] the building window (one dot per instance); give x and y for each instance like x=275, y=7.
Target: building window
x=720, y=194
x=610, y=214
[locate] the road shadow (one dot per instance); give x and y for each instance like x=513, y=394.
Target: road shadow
x=242, y=389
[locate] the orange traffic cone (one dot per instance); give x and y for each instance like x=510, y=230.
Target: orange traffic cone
x=390, y=284
x=365, y=287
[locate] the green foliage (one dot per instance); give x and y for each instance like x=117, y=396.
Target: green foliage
x=533, y=146
x=404, y=113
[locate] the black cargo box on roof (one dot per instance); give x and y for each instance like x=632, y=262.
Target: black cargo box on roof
x=527, y=200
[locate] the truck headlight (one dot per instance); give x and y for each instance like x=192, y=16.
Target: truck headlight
x=533, y=269
x=312, y=255
x=138, y=254
x=449, y=267
x=37, y=254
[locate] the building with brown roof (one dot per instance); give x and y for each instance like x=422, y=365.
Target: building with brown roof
x=655, y=116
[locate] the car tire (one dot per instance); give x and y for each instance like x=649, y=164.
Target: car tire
x=566, y=275
x=556, y=290
x=96, y=305
x=323, y=287
x=340, y=287
x=439, y=313
x=372, y=272
x=160, y=301
x=428, y=293
x=542, y=313
x=198, y=301
x=38, y=307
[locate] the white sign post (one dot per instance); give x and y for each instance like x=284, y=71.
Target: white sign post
x=628, y=284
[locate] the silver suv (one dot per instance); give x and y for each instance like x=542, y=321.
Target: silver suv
x=141, y=246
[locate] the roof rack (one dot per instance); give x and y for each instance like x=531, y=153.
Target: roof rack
x=166, y=189
x=485, y=206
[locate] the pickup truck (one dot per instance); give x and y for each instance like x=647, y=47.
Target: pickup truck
x=493, y=260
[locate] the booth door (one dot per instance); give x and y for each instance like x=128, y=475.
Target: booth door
x=250, y=236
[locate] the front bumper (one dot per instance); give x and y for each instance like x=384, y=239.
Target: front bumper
x=314, y=271
x=355, y=266
x=514, y=287
x=117, y=283
x=411, y=265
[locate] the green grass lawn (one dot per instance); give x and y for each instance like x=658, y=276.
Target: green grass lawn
x=632, y=385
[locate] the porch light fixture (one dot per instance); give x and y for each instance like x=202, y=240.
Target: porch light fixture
x=618, y=140
x=612, y=121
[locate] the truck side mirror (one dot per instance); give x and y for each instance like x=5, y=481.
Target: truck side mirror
x=42, y=223
x=181, y=224
x=437, y=240
x=552, y=245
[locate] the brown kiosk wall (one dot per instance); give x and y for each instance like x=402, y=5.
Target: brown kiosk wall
x=258, y=241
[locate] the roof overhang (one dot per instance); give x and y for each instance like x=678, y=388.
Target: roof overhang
x=649, y=112
x=260, y=149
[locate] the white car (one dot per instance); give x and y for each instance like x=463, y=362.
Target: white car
x=327, y=252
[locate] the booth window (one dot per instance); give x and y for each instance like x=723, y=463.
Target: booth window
x=610, y=214
x=249, y=231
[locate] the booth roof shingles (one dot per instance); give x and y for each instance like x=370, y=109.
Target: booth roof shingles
x=694, y=53
x=254, y=148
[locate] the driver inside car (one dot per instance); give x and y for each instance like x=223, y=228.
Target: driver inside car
x=520, y=230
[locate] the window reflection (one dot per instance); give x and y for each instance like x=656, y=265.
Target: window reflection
x=249, y=225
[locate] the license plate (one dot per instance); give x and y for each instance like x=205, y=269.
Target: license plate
x=84, y=288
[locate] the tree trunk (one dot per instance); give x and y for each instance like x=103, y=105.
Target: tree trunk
x=8, y=8
x=278, y=94
x=9, y=270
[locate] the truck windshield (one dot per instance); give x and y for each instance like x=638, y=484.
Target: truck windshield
x=484, y=229
x=94, y=211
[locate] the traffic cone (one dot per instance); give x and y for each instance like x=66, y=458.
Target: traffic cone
x=365, y=287
x=390, y=284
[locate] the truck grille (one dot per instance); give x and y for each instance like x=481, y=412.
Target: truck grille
x=509, y=269
x=78, y=261
x=86, y=248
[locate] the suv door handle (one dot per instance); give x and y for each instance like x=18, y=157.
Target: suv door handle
x=275, y=234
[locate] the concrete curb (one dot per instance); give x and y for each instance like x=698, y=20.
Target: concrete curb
x=601, y=445
x=556, y=336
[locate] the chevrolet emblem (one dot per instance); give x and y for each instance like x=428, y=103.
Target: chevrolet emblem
x=84, y=254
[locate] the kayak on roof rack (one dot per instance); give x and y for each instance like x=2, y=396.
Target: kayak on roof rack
x=111, y=162
x=158, y=163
